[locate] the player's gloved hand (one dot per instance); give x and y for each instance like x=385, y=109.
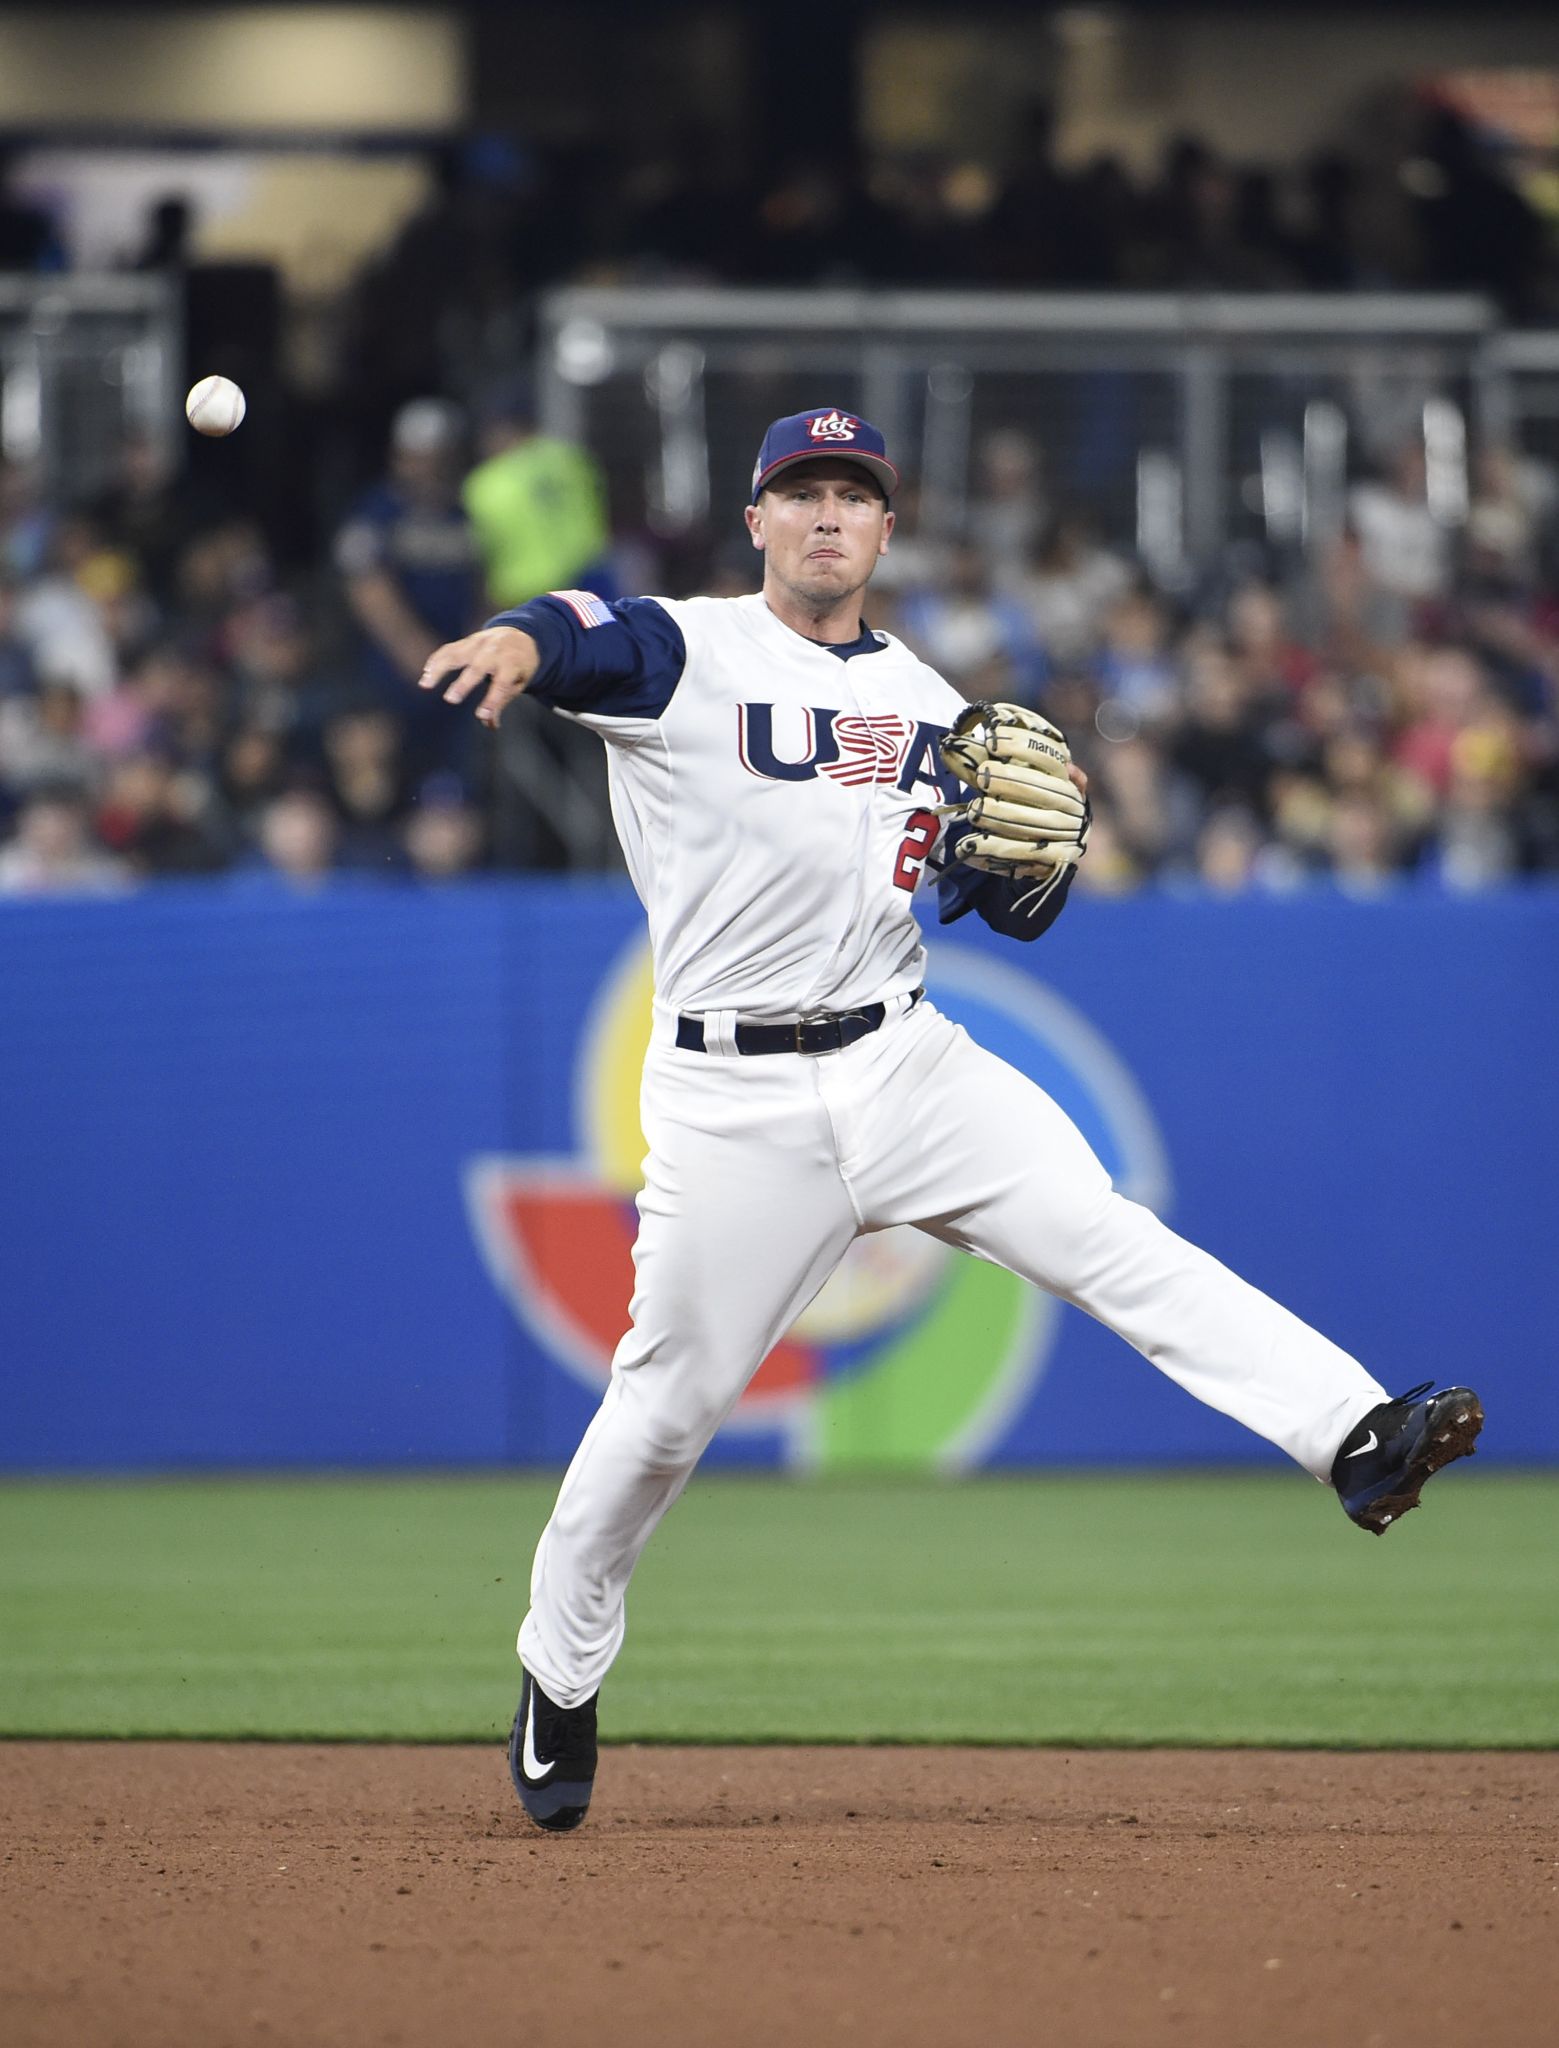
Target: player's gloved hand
x=1027, y=819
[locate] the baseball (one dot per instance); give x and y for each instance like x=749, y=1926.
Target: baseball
x=215, y=406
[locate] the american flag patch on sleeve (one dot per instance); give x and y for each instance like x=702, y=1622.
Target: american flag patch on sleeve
x=585, y=605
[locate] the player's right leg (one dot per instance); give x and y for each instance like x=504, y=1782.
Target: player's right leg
x=1060, y=1224
x=974, y=1151
x=744, y=1215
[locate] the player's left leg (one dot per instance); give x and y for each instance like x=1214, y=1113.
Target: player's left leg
x=971, y=1149
x=742, y=1218
x=743, y=1215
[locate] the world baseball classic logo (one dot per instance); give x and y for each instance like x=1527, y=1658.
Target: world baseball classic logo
x=914, y=1356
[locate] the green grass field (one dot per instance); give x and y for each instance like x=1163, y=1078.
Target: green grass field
x=1177, y=1609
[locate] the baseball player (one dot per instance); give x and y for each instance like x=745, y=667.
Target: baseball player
x=783, y=779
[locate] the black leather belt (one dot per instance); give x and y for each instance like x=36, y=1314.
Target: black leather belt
x=823, y=1031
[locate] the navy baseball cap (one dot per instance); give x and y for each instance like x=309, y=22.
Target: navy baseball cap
x=804, y=436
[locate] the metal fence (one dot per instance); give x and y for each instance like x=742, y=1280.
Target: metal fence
x=1179, y=424
x=83, y=362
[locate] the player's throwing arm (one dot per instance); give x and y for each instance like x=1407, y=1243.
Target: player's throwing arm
x=499, y=659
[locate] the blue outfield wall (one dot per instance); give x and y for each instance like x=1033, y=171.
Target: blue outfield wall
x=319, y=1180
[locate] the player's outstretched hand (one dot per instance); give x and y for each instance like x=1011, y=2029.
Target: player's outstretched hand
x=497, y=662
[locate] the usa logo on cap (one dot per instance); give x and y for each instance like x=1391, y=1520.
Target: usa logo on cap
x=833, y=426
x=804, y=436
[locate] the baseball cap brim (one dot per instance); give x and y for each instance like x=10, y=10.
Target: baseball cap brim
x=879, y=466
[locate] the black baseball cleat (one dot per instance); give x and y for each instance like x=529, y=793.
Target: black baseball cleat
x=552, y=1754
x=1385, y=1459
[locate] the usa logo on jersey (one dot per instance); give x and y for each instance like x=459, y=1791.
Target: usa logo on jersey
x=847, y=747
x=833, y=426
x=870, y=749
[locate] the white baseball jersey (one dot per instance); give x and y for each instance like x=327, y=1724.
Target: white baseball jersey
x=775, y=797
x=776, y=800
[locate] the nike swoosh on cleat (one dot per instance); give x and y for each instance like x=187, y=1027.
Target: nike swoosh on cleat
x=1359, y=1453
x=536, y=1772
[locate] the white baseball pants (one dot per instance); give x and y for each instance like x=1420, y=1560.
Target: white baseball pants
x=761, y=1171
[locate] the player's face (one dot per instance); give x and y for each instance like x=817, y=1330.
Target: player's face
x=821, y=527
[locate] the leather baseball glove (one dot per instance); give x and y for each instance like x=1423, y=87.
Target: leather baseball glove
x=1025, y=819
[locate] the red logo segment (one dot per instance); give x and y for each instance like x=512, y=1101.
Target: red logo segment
x=871, y=749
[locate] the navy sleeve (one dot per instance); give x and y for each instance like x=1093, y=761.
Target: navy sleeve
x=613, y=660
x=996, y=900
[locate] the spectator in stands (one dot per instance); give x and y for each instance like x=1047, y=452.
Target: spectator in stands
x=1512, y=500
x=1008, y=509
x=158, y=821
x=982, y=642
x=43, y=742
x=443, y=835
x=1442, y=696
x=1478, y=231
x=820, y=221
x=169, y=232
x=150, y=512
x=1137, y=677
x=252, y=772
x=297, y=841
x=1107, y=213
x=53, y=852
x=1326, y=246
x=366, y=784
x=223, y=566
x=58, y=615
x=409, y=562
x=1477, y=839
x=1261, y=640
x=1154, y=810
x=1228, y=849
x=26, y=519
x=1033, y=233
x=1069, y=589
x=18, y=668
x=537, y=506
x=277, y=680
x=1406, y=550
x=1210, y=234
x=1300, y=810
x=170, y=700
x=1222, y=743
x=1362, y=845
x=688, y=212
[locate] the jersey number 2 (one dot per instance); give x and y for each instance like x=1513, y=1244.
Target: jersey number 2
x=913, y=848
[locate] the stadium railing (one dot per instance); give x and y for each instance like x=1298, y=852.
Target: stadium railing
x=86, y=361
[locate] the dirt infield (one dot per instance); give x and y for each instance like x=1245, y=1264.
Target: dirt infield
x=205, y=1895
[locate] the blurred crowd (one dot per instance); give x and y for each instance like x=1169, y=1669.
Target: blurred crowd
x=1419, y=196
x=1386, y=712
x=1436, y=207
x=173, y=703
x=1423, y=201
